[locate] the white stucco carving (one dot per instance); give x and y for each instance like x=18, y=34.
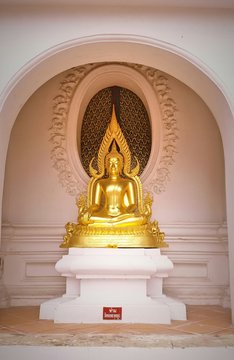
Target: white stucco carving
x=61, y=104
x=162, y=109
x=157, y=182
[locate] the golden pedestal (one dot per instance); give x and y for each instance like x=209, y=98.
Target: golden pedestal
x=144, y=236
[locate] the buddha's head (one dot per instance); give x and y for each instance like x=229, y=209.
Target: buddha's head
x=114, y=161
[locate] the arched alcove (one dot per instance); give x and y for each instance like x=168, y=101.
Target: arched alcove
x=171, y=60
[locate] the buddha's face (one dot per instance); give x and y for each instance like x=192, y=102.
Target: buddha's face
x=114, y=166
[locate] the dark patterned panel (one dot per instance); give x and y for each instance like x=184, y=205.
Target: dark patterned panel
x=133, y=121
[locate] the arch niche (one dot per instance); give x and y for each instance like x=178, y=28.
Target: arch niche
x=165, y=57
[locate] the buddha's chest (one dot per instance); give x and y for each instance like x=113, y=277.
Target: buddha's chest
x=114, y=191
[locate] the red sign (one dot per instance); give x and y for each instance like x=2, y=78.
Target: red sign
x=112, y=313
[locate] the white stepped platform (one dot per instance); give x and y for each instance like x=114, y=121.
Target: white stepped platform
x=126, y=281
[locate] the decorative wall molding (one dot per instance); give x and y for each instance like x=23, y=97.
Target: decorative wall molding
x=199, y=253
x=64, y=153
x=160, y=84
x=58, y=138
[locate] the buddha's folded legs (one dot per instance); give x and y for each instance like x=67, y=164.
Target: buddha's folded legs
x=121, y=220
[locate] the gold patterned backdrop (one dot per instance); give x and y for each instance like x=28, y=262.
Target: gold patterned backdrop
x=133, y=120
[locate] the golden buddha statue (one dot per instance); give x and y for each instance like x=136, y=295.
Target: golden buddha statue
x=113, y=214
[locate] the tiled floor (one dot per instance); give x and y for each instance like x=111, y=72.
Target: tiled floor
x=19, y=324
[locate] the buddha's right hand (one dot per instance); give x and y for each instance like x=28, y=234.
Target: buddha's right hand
x=84, y=219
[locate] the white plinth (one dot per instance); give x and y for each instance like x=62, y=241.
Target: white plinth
x=130, y=279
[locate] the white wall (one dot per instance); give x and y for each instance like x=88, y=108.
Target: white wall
x=196, y=190
x=32, y=192
x=194, y=45
x=206, y=33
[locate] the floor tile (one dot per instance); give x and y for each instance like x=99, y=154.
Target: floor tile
x=201, y=320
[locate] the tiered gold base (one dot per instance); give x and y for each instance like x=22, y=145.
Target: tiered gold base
x=145, y=236
x=114, y=241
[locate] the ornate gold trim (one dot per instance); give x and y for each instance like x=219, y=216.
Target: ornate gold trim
x=144, y=236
